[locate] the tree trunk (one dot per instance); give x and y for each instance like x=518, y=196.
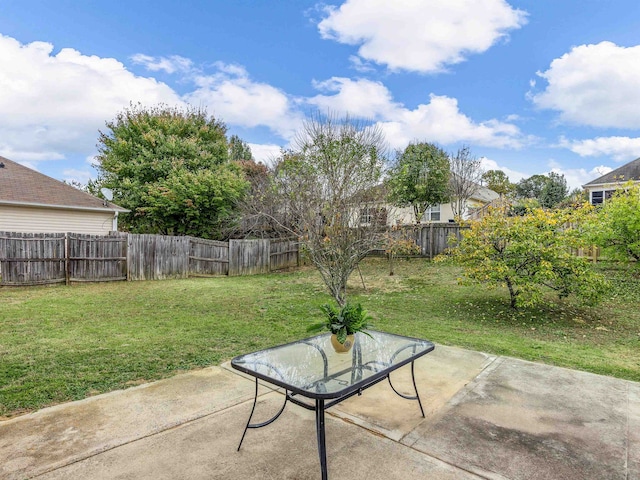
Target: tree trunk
x=512, y=292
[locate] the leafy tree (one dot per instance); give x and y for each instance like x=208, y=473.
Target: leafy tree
x=197, y=203
x=530, y=252
x=554, y=191
x=498, y=181
x=617, y=224
x=531, y=187
x=239, y=150
x=420, y=178
x=170, y=167
x=549, y=190
x=576, y=197
x=523, y=206
x=332, y=174
x=466, y=174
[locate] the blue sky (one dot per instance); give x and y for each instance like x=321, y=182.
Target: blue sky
x=530, y=85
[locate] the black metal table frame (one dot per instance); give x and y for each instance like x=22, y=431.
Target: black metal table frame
x=321, y=400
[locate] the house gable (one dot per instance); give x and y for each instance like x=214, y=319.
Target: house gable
x=23, y=186
x=602, y=188
x=35, y=203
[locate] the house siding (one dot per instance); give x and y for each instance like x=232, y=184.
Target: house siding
x=605, y=189
x=48, y=220
x=404, y=215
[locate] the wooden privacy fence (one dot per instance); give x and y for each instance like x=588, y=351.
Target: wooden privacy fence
x=593, y=253
x=431, y=238
x=34, y=259
x=28, y=259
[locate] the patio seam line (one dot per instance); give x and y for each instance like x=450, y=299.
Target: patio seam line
x=379, y=434
x=172, y=426
x=487, y=370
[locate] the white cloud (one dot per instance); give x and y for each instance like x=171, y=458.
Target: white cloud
x=171, y=64
x=360, y=98
x=232, y=96
x=361, y=66
x=423, y=36
x=514, y=175
x=621, y=149
x=576, y=177
x=265, y=153
x=594, y=85
x=56, y=103
x=80, y=176
x=440, y=120
x=27, y=155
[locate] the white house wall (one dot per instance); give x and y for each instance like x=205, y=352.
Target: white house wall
x=404, y=215
x=604, y=187
x=45, y=220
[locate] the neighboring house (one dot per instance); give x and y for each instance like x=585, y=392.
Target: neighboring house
x=31, y=202
x=438, y=213
x=602, y=188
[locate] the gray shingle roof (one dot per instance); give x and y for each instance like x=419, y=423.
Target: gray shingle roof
x=485, y=194
x=630, y=171
x=20, y=185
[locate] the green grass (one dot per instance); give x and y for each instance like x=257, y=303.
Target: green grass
x=64, y=343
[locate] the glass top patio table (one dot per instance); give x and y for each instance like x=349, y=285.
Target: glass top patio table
x=312, y=368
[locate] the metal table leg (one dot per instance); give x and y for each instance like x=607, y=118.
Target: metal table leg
x=322, y=449
x=415, y=388
x=262, y=424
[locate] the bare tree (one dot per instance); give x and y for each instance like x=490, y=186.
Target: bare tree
x=464, y=183
x=261, y=212
x=330, y=188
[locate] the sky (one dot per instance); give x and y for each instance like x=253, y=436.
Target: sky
x=531, y=86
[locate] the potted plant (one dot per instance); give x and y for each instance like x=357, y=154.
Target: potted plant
x=343, y=323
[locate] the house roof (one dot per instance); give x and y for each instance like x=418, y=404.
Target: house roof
x=481, y=193
x=630, y=171
x=23, y=186
x=485, y=194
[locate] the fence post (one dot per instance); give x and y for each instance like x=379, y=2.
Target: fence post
x=67, y=264
x=128, y=262
x=430, y=240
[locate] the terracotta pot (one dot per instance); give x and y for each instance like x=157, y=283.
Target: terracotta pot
x=342, y=347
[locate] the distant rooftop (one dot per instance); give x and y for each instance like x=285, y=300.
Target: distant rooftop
x=629, y=171
x=20, y=185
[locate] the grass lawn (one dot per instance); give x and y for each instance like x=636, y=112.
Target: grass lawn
x=63, y=343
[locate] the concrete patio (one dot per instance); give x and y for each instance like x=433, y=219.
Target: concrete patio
x=486, y=417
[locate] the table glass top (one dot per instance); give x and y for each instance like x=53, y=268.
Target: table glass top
x=312, y=367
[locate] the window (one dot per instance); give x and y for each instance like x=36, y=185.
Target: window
x=432, y=214
x=366, y=215
x=599, y=197
x=369, y=215
x=596, y=198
